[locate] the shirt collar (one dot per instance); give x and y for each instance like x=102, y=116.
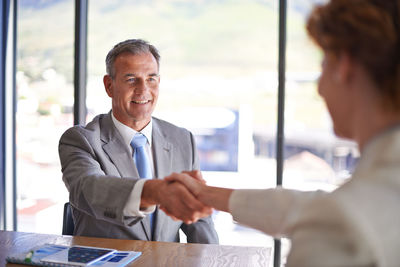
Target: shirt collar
x=128, y=133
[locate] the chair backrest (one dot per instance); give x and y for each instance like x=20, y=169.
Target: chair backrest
x=68, y=222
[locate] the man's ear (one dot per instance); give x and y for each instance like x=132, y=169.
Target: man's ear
x=107, y=80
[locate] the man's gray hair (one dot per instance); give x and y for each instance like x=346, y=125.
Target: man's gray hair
x=132, y=46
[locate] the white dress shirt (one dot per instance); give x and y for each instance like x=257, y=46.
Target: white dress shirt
x=132, y=206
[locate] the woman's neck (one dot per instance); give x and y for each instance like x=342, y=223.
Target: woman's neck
x=372, y=123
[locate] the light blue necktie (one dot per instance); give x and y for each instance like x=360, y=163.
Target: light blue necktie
x=142, y=162
x=140, y=157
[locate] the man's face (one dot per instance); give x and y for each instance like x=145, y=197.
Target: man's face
x=134, y=89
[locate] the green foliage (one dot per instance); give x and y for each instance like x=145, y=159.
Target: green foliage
x=230, y=37
x=213, y=49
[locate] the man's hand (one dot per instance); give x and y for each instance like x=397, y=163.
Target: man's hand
x=196, y=174
x=174, y=199
x=192, y=180
x=215, y=197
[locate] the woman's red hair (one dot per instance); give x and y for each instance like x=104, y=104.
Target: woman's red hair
x=369, y=31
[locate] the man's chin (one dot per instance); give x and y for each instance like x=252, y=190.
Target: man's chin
x=141, y=119
x=143, y=115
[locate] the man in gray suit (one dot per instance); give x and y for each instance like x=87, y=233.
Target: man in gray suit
x=108, y=197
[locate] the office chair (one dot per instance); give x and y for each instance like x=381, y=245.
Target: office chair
x=68, y=222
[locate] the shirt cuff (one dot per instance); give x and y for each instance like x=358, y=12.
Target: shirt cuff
x=236, y=201
x=132, y=206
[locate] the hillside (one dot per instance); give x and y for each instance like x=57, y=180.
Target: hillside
x=233, y=33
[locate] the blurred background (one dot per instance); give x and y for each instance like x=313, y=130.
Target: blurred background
x=218, y=78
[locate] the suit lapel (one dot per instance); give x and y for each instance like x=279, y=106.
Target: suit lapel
x=162, y=152
x=162, y=155
x=115, y=148
x=121, y=157
x=145, y=222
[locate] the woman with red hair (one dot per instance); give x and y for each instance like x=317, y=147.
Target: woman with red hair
x=359, y=223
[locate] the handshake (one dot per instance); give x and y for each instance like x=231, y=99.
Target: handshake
x=184, y=196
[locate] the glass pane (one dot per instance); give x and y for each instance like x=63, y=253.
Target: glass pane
x=44, y=106
x=218, y=79
x=314, y=157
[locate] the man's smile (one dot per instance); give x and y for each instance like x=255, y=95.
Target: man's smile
x=140, y=101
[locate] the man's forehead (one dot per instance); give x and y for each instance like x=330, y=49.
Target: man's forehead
x=142, y=55
x=129, y=74
x=137, y=63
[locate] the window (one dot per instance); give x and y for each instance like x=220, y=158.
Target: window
x=218, y=79
x=314, y=157
x=44, y=110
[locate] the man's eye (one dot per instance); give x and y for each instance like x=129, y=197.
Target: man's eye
x=131, y=80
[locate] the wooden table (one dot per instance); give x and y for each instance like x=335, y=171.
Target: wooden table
x=154, y=253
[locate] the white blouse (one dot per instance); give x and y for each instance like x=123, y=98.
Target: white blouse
x=356, y=225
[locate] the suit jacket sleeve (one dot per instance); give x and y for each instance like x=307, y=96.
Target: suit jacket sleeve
x=322, y=231
x=328, y=234
x=92, y=191
x=203, y=230
x=269, y=210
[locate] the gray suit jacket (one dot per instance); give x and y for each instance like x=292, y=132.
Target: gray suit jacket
x=100, y=174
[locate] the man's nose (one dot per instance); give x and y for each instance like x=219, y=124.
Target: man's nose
x=140, y=86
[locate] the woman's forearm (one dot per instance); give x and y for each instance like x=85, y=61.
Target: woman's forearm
x=216, y=197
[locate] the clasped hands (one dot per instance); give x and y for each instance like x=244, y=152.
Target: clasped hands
x=178, y=195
